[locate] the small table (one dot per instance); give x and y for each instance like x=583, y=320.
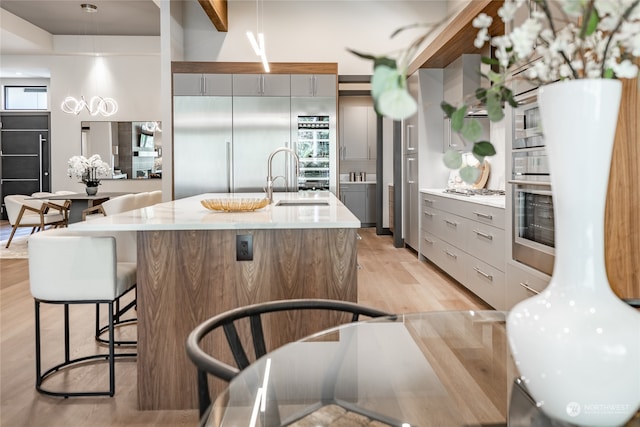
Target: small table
x=437, y=368
x=82, y=201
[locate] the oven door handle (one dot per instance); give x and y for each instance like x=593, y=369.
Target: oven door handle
x=523, y=182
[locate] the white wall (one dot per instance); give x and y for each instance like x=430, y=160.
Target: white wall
x=309, y=31
x=134, y=81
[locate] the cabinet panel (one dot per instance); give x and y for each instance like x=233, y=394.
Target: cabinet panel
x=313, y=85
x=261, y=85
x=485, y=214
x=429, y=248
x=486, y=281
x=354, y=198
x=522, y=284
x=190, y=84
x=487, y=243
x=353, y=132
x=452, y=260
x=371, y=204
x=452, y=228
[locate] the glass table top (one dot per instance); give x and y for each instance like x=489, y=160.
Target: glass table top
x=436, y=368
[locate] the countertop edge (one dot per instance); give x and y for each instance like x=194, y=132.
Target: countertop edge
x=493, y=201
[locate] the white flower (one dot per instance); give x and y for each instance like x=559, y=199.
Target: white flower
x=625, y=69
x=78, y=166
x=507, y=10
x=481, y=38
x=482, y=21
x=524, y=37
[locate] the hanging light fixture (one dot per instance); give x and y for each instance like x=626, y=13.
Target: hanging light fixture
x=96, y=104
x=258, y=45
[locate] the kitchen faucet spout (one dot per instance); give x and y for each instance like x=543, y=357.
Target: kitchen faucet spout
x=270, y=177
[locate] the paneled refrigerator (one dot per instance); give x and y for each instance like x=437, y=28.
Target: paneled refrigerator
x=222, y=143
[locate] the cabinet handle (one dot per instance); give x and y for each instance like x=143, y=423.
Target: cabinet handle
x=430, y=201
x=455, y=224
x=485, y=235
x=429, y=214
x=488, y=276
x=410, y=146
x=529, y=288
x=450, y=254
x=484, y=215
x=431, y=242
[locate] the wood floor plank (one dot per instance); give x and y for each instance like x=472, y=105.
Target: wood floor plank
x=389, y=278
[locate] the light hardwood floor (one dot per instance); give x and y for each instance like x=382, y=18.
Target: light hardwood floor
x=391, y=279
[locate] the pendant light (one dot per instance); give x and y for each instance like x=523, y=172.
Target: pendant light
x=258, y=45
x=96, y=104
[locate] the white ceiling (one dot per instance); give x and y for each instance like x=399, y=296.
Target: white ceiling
x=66, y=17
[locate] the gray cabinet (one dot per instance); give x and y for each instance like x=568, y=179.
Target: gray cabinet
x=358, y=128
x=192, y=84
x=360, y=199
x=313, y=85
x=467, y=241
x=261, y=85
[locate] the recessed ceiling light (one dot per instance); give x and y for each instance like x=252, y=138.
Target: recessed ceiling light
x=90, y=8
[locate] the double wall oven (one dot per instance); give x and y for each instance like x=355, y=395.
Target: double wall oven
x=533, y=222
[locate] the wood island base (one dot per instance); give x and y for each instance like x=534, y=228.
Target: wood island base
x=188, y=276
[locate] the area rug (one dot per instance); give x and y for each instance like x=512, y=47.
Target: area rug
x=17, y=249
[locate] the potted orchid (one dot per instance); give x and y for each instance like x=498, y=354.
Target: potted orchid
x=576, y=343
x=88, y=171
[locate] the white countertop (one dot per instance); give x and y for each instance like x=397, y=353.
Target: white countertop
x=189, y=214
x=494, y=200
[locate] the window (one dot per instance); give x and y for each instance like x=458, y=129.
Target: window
x=25, y=97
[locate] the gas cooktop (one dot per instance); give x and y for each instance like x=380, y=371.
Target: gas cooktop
x=474, y=192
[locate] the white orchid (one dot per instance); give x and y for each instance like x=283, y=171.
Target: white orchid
x=87, y=170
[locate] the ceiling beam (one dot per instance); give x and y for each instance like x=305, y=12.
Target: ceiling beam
x=217, y=12
x=458, y=36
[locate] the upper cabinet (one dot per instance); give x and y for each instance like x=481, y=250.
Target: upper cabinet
x=261, y=85
x=196, y=84
x=313, y=85
x=358, y=128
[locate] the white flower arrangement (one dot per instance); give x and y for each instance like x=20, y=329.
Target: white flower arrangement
x=598, y=39
x=87, y=170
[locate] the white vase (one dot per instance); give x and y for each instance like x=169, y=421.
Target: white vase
x=576, y=344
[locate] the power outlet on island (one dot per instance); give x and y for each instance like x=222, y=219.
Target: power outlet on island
x=244, y=247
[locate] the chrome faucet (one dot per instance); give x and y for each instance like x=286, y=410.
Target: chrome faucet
x=270, y=177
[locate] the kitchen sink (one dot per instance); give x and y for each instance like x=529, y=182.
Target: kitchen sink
x=302, y=203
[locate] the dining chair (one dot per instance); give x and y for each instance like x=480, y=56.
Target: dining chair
x=155, y=197
x=23, y=211
x=68, y=267
x=230, y=321
x=141, y=200
x=123, y=203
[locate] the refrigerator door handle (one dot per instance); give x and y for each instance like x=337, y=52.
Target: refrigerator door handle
x=229, y=167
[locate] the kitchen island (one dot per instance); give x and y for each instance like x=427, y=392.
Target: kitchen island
x=188, y=271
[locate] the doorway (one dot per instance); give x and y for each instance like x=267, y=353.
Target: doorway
x=25, y=154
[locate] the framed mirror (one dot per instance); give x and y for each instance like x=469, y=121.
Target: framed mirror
x=133, y=150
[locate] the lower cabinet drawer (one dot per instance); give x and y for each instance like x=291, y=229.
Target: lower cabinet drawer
x=429, y=247
x=487, y=243
x=522, y=283
x=452, y=260
x=486, y=281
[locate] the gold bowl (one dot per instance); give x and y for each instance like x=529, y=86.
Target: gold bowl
x=235, y=205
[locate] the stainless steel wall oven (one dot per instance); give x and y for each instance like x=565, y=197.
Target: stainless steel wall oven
x=533, y=234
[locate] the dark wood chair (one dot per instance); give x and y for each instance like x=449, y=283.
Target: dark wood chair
x=207, y=364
